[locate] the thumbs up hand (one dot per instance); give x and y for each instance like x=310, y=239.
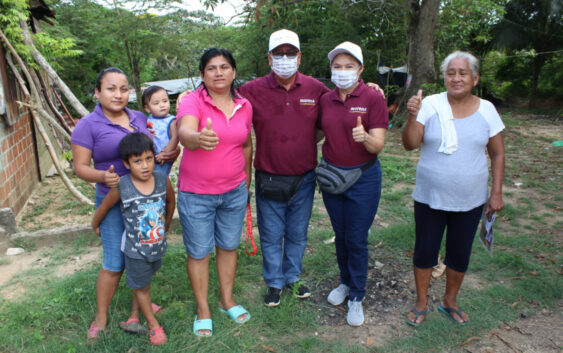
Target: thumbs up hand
x=414, y=103
x=208, y=139
x=111, y=178
x=359, y=133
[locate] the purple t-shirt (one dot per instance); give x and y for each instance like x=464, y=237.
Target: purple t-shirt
x=98, y=134
x=338, y=118
x=285, y=123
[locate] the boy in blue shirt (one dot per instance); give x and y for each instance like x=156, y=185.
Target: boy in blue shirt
x=147, y=204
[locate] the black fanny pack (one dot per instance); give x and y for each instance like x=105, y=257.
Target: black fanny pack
x=334, y=180
x=277, y=187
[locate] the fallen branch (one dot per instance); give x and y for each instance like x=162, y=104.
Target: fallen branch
x=35, y=109
x=510, y=345
x=41, y=111
x=45, y=115
x=63, y=106
x=470, y=340
x=54, y=110
x=50, y=72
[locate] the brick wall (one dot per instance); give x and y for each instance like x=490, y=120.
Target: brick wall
x=18, y=166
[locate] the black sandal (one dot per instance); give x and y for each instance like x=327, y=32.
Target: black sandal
x=417, y=315
x=449, y=311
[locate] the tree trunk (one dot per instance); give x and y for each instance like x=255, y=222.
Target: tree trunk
x=52, y=73
x=421, y=45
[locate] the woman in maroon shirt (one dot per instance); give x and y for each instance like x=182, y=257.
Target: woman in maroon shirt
x=354, y=120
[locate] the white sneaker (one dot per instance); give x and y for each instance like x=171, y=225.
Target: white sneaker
x=355, y=315
x=338, y=294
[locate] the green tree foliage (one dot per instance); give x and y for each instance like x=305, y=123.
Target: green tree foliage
x=153, y=40
x=536, y=25
x=95, y=31
x=467, y=25
x=322, y=24
x=11, y=12
x=139, y=42
x=160, y=47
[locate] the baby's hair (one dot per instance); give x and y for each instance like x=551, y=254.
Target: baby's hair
x=149, y=91
x=135, y=144
x=104, y=72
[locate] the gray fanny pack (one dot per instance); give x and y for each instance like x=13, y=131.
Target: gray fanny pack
x=334, y=180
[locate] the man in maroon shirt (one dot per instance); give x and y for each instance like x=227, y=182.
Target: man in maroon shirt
x=285, y=111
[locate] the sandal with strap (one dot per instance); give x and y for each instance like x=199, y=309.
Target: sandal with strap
x=93, y=332
x=156, y=308
x=203, y=324
x=133, y=326
x=417, y=315
x=449, y=311
x=235, y=312
x=157, y=336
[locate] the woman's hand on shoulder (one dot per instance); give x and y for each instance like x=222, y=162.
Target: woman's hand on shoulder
x=376, y=88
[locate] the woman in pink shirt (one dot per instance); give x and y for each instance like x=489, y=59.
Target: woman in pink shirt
x=214, y=125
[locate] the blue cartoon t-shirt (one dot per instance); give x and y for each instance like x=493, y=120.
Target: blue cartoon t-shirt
x=144, y=217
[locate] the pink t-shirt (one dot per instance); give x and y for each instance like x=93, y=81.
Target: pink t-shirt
x=285, y=123
x=338, y=118
x=221, y=170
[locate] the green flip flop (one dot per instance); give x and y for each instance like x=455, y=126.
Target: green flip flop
x=203, y=324
x=235, y=312
x=449, y=311
x=417, y=315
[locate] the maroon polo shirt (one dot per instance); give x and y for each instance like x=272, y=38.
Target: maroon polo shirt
x=284, y=122
x=338, y=118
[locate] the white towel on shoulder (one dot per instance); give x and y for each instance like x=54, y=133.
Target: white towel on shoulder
x=439, y=104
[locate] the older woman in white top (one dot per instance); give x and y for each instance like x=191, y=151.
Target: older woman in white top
x=452, y=129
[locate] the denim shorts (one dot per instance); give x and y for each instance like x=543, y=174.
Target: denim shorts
x=212, y=220
x=111, y=230
x=139, y=271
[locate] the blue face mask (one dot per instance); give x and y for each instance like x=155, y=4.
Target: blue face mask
x=344, y=78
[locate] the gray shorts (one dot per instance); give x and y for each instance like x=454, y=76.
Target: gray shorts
x=139, y=272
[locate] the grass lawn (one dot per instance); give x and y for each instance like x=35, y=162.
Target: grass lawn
x=522, y=278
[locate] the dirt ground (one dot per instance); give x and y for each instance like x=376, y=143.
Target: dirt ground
x=391, y=287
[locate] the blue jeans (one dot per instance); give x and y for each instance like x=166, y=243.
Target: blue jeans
x=163, y=168
x=111, y=231
x=212, y=220
x=283, y=233
x=352, y=214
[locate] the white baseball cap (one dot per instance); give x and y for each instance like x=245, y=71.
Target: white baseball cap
x=283, y=36
x=347, y=48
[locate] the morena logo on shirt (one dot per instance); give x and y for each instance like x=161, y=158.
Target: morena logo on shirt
x=306, y=101
x=358, y=110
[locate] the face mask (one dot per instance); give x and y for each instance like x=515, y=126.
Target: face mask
x=344, y=78
x=283, y=66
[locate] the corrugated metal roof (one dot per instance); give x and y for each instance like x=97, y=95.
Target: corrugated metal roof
x=177, y=85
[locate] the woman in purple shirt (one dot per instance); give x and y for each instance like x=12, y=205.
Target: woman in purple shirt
x=354, y=120
x=96, y=137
